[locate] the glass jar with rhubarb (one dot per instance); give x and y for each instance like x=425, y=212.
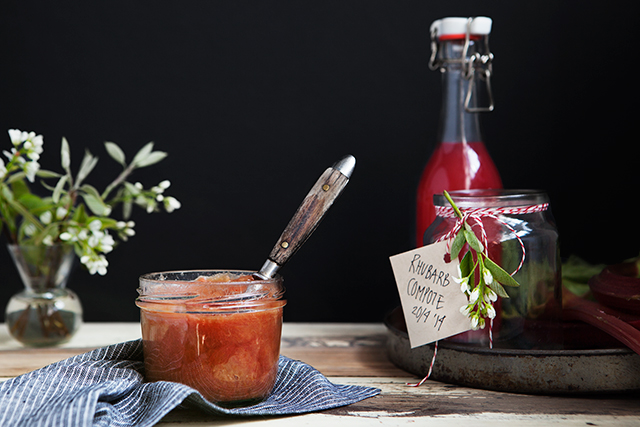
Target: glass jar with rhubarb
x=214, y=330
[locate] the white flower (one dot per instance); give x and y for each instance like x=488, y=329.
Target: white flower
x=33, y=155
x=33, y=146
x=488, y=277
x=48, y=240
x=480, y=323
x=45, y=218
x=491, y=312
x=465, y=309
x=30, y=229
x=68, y=236
x=159, y=198
x=17, y=136
x=490, y=296
x=95, y=225
x=474, y=295
x=61, y=212
x=165, y=184
x=82, y=235
x=94, y=240
x=125, y=229
x=3, y=169
x=171, y=204
x=474, y=323
x=95, y=263
x=72, y=234
x=37, y=141
x=106, y=243
x=31, y=168
x=464, y=284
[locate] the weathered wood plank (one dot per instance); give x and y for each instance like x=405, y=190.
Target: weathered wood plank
x=436, y=399
x=356, y=354
x=18, y=362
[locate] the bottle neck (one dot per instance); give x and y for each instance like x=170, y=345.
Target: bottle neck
x=457, y=124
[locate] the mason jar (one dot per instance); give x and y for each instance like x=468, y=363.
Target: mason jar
x=217, y=331
x=521, y=237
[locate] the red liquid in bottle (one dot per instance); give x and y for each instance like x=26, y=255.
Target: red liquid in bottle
x=453, y=166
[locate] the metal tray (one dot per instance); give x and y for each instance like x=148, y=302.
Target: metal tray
x=608, y=370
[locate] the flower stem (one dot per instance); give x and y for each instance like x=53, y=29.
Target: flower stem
x=119, y=179
x=453, y=205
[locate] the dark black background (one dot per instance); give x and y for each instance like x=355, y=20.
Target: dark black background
x=254, y=99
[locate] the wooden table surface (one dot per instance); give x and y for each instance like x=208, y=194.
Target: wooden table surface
x=355, y=354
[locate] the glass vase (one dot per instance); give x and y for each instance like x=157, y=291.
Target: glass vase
x=45, y=313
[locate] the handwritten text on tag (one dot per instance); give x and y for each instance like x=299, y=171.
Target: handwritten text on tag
x=430, y=297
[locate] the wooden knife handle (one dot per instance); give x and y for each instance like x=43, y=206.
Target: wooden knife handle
x=309, y=214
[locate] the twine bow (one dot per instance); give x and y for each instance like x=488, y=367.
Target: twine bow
x=474, y=216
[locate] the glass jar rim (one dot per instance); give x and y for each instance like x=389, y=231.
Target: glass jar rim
x=492, y=198
x=169, y=291
x=178, y=276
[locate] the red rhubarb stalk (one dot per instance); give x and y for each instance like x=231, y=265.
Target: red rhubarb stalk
x=603, y=318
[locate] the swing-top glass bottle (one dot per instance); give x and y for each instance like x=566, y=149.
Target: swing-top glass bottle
x=460, y=161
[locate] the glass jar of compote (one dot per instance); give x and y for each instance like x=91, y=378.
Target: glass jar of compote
x=214, y=330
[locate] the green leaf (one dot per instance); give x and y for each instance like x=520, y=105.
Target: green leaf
x=127, y=207
x=466, y=265
x=53, y=229
x=499, y=274
x=19, y=189
x=6, y=192
x=18, y=176
x=33, y=203
x=143, y=153
x=473, y=241
x=116, y=153
x=96, y=205
x=151, y=159
x=65, y=155
x=458, y=244
x=22, y=210
x=89, y=189
x=498, y=289
x=107, y=222
x=57, y=191
x=132, y=189
x=80, y=215
x=47, y=174
x=89, y=162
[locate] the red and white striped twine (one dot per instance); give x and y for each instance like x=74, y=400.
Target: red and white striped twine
x=473, y=216
x=448, y=212
x=433, y=361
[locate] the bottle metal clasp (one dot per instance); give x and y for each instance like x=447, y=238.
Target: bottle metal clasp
x=476, y=63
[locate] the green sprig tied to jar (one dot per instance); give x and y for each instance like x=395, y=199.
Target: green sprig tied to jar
x=484, y=291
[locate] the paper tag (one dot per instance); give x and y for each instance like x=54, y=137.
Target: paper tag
x=430, y=298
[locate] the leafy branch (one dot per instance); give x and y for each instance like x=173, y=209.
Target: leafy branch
x=75, y=213
x=481, y=279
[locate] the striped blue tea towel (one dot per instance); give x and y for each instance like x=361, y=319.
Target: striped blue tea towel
x=105, y=387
